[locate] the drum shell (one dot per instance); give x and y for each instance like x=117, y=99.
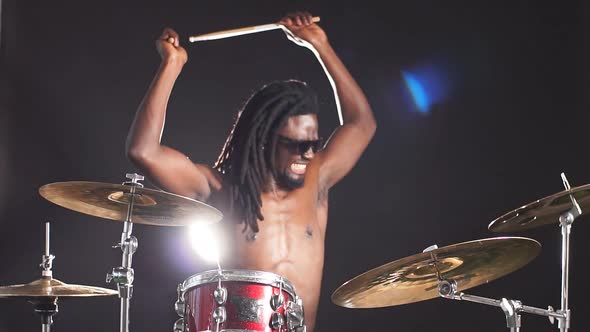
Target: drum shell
x=248, y=306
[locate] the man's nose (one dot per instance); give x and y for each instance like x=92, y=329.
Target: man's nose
x=308, y=154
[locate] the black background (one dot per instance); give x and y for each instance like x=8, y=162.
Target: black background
x=516, y=116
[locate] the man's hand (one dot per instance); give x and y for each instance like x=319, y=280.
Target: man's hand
x=300, y=24
x=168, y=46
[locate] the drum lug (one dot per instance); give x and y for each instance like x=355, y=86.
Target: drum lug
x=220, y=295
x=295, y=316
x=179, y=307
x=276, y=301
x=219, y=315
x=179, y=325
x=179, y=304
x=277, y=321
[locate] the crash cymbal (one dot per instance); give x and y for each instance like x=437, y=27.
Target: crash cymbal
x=48, y=287
x=110, y=201
x=414, y=278
x=543, y=211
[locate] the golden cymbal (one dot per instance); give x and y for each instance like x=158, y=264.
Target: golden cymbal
x=543, y=211
x=110, y=201
x=48, y=287
x=415, y=278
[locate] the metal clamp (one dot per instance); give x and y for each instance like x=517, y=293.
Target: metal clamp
x=134, y=177
x=128, y=245
x=447, y=288
x=121, y=275
x=46, y=265
x=511, y=309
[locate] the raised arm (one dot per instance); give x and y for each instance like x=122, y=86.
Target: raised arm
x=348, y=142
x=168, y=168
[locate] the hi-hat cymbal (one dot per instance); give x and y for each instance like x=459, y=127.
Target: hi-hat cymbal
x=543, y=211
x=48, y=287
x=110, y=201
x=415, y=278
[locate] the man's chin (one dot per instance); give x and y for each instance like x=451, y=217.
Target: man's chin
x=292, y=181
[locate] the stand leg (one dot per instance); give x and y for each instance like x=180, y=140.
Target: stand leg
x=46, y=324
x=124, y=322
x=565, y=259
x=565, y=221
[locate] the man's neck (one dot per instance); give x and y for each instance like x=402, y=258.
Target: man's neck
x=275, y=189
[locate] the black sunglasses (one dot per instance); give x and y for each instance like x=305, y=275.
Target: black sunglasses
x=301, y=147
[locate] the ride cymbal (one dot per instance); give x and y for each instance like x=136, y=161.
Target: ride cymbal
x=48, y=287
x=541, y=212
x=110, y=201
x=415, y=278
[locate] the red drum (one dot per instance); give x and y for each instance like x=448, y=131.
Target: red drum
x=238, y=301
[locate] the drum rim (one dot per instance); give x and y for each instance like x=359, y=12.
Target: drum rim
x=254, y=276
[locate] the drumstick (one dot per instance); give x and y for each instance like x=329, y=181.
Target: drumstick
x=240, y=31
x=272, y=26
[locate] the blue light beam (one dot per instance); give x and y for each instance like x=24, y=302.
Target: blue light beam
x=427, y=85
x=417, y=91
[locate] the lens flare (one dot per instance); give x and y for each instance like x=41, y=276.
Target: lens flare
x=417, y=91
x=204, y=239
x=428, y=85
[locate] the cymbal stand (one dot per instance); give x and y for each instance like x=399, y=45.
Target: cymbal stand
x=47, y=259
x=124, y=275
x=566, y=220
x=46, y=307
x=447, y=288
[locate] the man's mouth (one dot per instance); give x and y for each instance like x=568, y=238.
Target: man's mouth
x=298, y=168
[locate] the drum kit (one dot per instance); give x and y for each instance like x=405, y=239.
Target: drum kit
x=249, y=300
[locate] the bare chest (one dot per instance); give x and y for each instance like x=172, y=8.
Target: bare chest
x=293, y=228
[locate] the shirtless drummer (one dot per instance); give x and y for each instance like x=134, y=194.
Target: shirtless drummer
x=273, y=175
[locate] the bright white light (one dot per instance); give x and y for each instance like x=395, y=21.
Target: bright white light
x=205, y=241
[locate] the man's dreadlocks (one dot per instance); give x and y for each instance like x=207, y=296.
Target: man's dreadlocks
x=247, y=157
